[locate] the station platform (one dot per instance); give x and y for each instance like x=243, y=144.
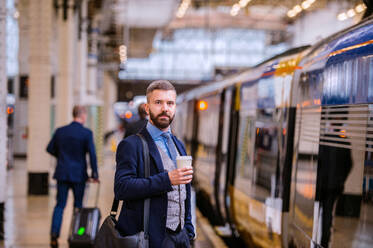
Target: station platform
x=28, y=218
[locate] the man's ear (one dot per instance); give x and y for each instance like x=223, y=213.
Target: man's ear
x=147, y=108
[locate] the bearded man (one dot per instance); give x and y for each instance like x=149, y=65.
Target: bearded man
x=168, y=188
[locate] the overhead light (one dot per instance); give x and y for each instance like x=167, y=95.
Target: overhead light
x=235, y=9
x=123, y=53
x=16, y=14
x=291, y=13
x=360, y=8
x=183, y=8
x=243, y=3
x=342, y=16
x=234, y=12
x=306, y=5
x=351, y=13
x=297, y=9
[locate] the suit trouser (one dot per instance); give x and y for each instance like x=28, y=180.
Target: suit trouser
x=62, y=193
x=327, y=216
x=174, y=239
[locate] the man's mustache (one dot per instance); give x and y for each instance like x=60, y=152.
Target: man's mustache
x=163, y=114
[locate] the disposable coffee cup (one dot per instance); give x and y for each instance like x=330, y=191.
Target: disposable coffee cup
x=183, y=161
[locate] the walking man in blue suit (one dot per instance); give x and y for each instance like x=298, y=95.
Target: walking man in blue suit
x=69, y=145
x=168, y=188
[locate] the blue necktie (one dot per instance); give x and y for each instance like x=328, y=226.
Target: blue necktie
x=170, y=145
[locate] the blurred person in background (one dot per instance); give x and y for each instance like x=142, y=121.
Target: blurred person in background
x=69, y=145
x=135, y=127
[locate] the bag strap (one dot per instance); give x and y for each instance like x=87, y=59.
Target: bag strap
x=114, y=208
x=147, y=174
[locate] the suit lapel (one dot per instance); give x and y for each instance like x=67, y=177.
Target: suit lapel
x=179, y=146
x=153, y=150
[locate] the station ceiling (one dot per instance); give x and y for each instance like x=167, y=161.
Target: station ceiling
x=134, y=23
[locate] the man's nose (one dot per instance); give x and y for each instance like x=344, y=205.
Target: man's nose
x=164, y=107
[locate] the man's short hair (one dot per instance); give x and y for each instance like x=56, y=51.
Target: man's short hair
x=159, y=85
x=78, y=110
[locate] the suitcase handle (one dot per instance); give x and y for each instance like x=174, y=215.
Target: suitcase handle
x=97, y=192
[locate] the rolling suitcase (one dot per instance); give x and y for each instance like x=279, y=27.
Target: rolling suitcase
x=84, y=226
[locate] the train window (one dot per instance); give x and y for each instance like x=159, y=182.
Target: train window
x=246, y=139
x=23, y=87
x=269, y=131
x=261, y=141
x=369, y=72
x=11, y=85
x=183, y=125
x=53, y=86
x=245, y=150
x=178, y=126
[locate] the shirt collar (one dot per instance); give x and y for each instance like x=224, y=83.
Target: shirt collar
x=154, y=131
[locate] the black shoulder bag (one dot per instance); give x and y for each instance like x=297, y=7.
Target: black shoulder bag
x=109, y=237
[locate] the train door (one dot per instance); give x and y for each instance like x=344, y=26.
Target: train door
x=242, y=159
x=208, y=109
x=220, y=184
x=304, y=174
x=300, y=221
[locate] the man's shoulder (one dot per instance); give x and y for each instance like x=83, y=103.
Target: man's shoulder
x=87, y=130
x=130, y=142
x=132, y=139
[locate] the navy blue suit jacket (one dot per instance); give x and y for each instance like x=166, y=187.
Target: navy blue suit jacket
x=131, y=187
x=69, y=145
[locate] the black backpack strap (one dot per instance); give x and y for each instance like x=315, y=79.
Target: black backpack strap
x=147, y=174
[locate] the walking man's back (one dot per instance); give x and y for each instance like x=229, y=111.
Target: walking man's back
x=69, y=145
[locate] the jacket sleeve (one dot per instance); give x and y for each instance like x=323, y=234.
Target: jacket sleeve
x=188, y=214
x=128, y=185
x=92, y=155
x=52, y=147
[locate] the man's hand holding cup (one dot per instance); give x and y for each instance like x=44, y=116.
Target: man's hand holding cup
x=184, y=172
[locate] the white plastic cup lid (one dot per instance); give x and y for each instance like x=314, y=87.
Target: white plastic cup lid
x=184, y=157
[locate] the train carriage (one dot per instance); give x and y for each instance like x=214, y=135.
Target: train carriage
x=332, y=169
x=284, y=149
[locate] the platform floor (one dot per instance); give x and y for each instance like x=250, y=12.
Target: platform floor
x=28, y=218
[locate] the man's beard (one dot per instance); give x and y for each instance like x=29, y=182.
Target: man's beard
x=161, y=124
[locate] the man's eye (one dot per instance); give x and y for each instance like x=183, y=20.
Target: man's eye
x=170, y=103
x=157, y=102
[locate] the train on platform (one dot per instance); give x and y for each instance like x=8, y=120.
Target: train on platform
x=283, y=152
